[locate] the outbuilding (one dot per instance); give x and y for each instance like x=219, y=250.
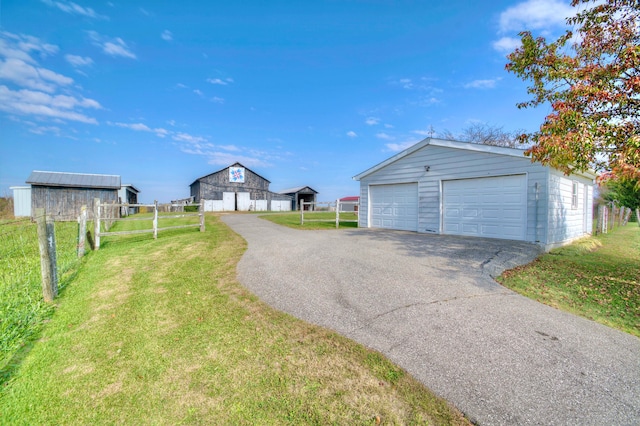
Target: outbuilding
x=448, y=187
x=299, y=195
x=62, y=195
x=237, y=188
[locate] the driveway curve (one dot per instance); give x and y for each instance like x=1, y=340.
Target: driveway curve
x=430, y=304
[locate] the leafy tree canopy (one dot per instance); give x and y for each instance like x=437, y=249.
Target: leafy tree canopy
x=591, y=79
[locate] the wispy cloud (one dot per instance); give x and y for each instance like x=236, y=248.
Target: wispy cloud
x=372, y=121
x=352, y=134
x=111, y=46
x=543, y=16
x=79, y=61
x=217, y=100
x=166, y=35
x=141, y=127
x=33, y=77
x=219, y=81
x=385, y=136
x=20, y=47
x=482, y=84
x=74, y=9
x=29, y=102
x=397, y=147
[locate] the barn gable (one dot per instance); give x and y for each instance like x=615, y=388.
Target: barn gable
x=300, y=194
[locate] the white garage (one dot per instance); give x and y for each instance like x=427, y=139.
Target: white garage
x=395, y=206
x=448, y=187
x=494, y=207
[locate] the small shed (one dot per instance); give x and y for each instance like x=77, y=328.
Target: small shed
x=62, y=195
x=237, y=188
x=128, y=194
x=350, y=204
x=449, y=187
x=21, y=201
x=301, y=194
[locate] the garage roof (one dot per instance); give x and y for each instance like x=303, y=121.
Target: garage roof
x=74, y=180
x=513, y=152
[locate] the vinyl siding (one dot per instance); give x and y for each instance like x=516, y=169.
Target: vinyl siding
x=565, y=222
x=447, y=163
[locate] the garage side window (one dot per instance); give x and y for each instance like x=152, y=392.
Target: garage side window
x=574, y=195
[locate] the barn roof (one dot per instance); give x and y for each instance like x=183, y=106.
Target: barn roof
x=297, y=189
x=226, y=168
x=74, y=180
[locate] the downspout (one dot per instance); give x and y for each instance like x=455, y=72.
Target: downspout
x=535, y=220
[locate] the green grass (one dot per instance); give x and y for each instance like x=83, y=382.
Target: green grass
x=597, y=278
x=22, y=309
x=312, y=220
x=160, y=332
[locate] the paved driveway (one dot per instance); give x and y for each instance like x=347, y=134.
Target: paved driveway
x=428, y=302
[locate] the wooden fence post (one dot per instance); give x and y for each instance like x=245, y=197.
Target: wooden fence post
x=82, y=230
x=201, y=210
x=48, y=263
x=96, y=223
x=155, y=219
x=337, y=214
x=301, y=212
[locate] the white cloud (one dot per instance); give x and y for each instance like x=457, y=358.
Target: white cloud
x=79, y=61
x=506, y=44
x=29, y=102
x=352, y=134
x=535, y=15
x=166, y=35
x=372, y=121
x=229, y=148
x=20, y=47
x=23, y=74
x=198, y=92
x=140, y=127
x=217, y=100
x=482, y=84
x=423, y=132
x=388, y=126
x=73, y=8
x=397, y=147
x=384, y=136
x=185, y=137
x=111, y=46
x=219, y=81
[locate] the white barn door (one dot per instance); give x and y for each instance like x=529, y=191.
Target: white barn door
x=243, y=201
x=228, y=201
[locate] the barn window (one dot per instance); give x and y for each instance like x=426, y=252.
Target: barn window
x=574, y=195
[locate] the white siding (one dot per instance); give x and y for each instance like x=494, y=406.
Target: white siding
x=21, y=201
x=446, y=163
x=567, y=221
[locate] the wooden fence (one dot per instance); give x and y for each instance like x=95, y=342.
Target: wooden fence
x=108, y=222
x=337, y=206
x=608, y=216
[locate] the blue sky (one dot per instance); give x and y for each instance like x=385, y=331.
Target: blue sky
x=304, y=93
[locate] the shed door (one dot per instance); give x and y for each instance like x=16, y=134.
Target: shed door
x=394, y=206
x=492, y=207
x=244, y=201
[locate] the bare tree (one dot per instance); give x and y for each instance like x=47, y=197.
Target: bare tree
x=485, y=134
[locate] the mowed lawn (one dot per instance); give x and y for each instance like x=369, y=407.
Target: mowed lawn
x=597, y=278
x=160, y=332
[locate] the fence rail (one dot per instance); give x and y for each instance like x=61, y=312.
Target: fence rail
x=337, y=206
x=98, y=222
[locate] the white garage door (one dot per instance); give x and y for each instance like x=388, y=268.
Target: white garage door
x=486, y=207
x=394, y=206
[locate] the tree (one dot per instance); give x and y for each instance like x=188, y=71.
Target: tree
x=623, y=192
x=591, y=79
x=485, y=134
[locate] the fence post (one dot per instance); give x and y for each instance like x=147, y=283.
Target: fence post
x=337, y=213
x=96, y=222
x=82, y=230
x=155, y=219
x=48, y=264
x=301, y=212
x=201, y=210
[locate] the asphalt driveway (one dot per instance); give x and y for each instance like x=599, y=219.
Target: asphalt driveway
x=429, y=303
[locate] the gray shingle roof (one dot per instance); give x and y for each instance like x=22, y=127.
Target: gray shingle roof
x=75, y=180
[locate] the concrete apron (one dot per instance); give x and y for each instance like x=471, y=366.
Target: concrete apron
x=429, y=303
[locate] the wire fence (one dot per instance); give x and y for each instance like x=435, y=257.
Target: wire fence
x=21, y=303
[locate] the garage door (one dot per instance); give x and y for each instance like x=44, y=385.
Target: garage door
x=487, y=207
x=394, y=206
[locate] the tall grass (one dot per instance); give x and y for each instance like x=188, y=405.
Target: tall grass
x=22, y=309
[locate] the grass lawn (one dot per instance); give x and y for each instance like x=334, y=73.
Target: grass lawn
x=160, y=332
x=597, y=278
x=313, y=220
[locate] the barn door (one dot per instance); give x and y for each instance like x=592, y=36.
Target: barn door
x=243, y=201
x=228, y=201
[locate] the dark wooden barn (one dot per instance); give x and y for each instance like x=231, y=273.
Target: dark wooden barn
x=237, y=188
x=62, y=195
x=300, y=194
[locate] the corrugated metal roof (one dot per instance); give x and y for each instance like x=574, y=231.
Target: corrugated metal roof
x=82, y=180
x=296, y=189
